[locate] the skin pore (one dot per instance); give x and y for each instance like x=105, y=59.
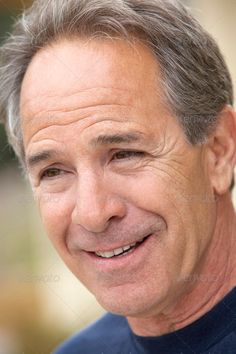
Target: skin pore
x=109, y=165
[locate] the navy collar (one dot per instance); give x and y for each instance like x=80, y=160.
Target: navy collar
x=197, y=337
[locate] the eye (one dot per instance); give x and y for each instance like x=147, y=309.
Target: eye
x=127, y=154
x=51, y=173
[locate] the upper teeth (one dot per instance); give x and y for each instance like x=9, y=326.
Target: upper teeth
x=115, y=252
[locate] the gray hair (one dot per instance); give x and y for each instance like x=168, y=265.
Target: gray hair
x=195, y=79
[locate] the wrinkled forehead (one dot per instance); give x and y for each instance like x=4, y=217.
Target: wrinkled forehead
x=66, y=67
x=74, y=76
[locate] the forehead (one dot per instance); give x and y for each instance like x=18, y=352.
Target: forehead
x=67, y=67
x=70, y=80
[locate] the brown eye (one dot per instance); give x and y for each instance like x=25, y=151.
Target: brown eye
x=126, y=154
x=51, y=172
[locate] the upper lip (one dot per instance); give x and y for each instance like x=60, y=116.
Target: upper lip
x=111, y=248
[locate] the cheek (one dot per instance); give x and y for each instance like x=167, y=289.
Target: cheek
x=55, y=211
x=152, y=192
x=171, y=193
x=184, y=204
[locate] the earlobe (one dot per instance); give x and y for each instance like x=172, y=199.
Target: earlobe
x=222, y=151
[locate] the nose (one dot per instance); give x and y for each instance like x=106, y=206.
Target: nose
x=95, y=204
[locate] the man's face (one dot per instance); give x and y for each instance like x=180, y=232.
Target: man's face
x=112, y=170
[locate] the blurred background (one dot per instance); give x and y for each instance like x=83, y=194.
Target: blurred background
x=41, y=302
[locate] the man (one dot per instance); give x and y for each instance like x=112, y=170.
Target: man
x=121, y=112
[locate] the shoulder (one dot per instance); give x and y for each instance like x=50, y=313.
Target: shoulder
x=108, y=331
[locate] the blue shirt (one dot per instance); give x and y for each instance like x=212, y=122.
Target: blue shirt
x=214, y=333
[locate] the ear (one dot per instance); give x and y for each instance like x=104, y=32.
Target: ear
x=222, y=151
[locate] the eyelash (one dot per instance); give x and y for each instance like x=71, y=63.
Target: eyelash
x=47, y=171
x=116, y=156
x=131, y=154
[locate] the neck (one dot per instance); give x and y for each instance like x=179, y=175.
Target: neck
x=215, y=279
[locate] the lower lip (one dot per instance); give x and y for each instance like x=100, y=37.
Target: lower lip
x=130, y=259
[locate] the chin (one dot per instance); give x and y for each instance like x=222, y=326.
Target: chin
x=131, y=303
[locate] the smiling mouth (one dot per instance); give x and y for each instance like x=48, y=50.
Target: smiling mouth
x=119, y=252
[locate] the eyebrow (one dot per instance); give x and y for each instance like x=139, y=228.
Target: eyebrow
x=40, y=157
x=104, y=139
x=116, y=139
